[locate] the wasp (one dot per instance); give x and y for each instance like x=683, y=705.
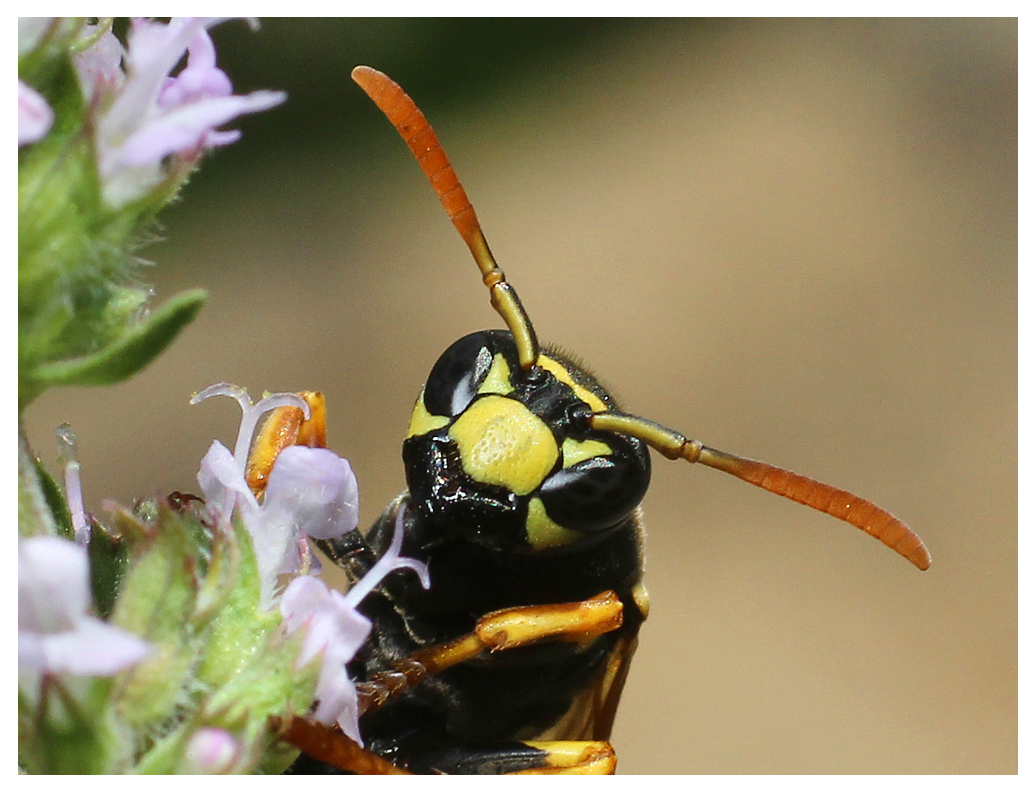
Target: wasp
x=524, y=479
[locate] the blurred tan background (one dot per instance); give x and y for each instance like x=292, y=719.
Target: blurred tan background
x=794, y=240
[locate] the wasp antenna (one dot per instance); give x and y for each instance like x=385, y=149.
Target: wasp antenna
x=841, y=504
x=412, y=125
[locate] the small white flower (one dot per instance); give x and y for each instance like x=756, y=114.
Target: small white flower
x=34, y=115
x=99, y=66
x=146, y=115
x=56, y=633
x=310, y=492
x=211, y=750
x=335, y=630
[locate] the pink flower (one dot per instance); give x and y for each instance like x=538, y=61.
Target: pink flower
x=211, y=750
x=335, y=630
x=310, y=492
x=56, y=633
x=146, y=115
x=34, y=115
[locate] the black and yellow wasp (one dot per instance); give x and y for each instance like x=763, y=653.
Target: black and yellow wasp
x=524, y=480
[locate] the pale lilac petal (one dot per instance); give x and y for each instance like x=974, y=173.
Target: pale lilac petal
x=336, y=699
x=389, y=562
x=99, y=66
x=222, y=482
x=194, y=84
x=211, y=750
x=301, y=560
x=123, y=185
x=53, y=584
x=317, y=488
x=153, y=49
x=201, y=53
x=31, y=653
x=55, y=633
x=301, y=599
x=183, y=128
x=334, y=631
x=34, y=115
x=200, y=78
x=352, y=626
x=349, y=717
x=332, y=625
x=273, y=546
x=220, y=138
x=93, y=648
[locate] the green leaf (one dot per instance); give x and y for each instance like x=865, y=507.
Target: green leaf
x=239, y=626
x=108, y=560
x=41, y=507
x=156, y=602
x=129, y=354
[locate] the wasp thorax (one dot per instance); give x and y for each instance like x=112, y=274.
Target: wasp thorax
x=505, y=455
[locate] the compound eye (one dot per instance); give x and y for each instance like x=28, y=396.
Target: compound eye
x=458, y=373
x=597, y=493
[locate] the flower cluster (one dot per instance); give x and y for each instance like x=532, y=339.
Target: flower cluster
x=146, y=114
x=56, y=633
x=311, y=493
x=165, y=640
x=141, y=113
x=217, y=622
x=108, y=132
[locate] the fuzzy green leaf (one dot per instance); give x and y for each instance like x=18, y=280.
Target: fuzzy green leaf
x=129, y=354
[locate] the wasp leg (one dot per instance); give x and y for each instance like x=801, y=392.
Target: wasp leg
x=328, y=746
x=350, y=552
x=576, y=622
x=561, y=757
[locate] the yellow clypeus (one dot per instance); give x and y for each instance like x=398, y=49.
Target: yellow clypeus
x=501, y=442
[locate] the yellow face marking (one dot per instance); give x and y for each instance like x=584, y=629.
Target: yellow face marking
x=574, y=451
x=421, y=421
x=542, y=532
x=559, y=371
x=501, y=442
x=498, y=380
